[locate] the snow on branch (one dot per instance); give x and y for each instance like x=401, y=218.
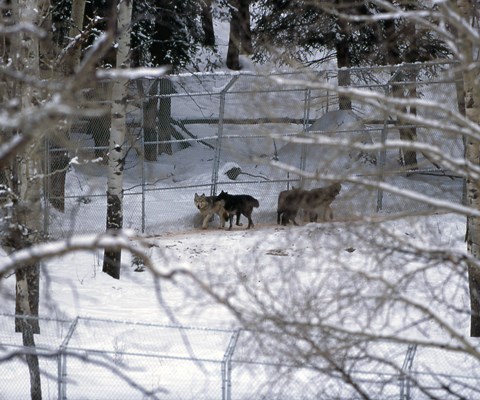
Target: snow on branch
x=22, y=27
x=132, y=73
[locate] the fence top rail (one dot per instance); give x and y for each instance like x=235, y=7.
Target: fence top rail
x=124, y=322
x=247, y=73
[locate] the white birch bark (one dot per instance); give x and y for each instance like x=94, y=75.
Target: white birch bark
x=78, y=13
x=472, y=154
x=27, y=215
x=116, y=161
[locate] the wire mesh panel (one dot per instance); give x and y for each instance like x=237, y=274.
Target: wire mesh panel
x=282, y=366
x=15, y=373
x=109, y=359
x=104, y=359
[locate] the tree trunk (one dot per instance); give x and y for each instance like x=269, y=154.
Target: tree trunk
x=343, y=63
x=76, y=27
x=116, y=160
x=32, y=362
x=472, y=154
x=27, y=217
x=207, y=24
x=245, y=35
x=165, y=128
x=233, y=52
x=394, y=57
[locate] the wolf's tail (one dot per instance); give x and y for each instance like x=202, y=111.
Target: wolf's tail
x=255, y=203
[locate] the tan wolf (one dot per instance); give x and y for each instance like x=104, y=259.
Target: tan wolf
x=315, y=203
x=208, y=207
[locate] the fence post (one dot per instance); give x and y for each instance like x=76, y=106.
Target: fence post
x=383, y=151
x=46, y=189
x=142, y=140
x=227, y=366
x=62, y=362
x=406, y=371
x=381, y=163
x=306, y=118
x=218, y=147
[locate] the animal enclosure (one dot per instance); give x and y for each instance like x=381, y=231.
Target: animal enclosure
x=203, y=133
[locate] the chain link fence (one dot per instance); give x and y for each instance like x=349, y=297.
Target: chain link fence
x=87, y=358
x=205, y=133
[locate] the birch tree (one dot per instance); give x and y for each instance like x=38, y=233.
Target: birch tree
x=116, y=155
x=26, y=228
x=468, y=42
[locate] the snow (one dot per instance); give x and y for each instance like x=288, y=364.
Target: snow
x=270, y=264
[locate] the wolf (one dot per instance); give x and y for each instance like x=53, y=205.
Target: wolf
x=288, y=205
x=236, y=204
x=315, y=203
x=208, y=207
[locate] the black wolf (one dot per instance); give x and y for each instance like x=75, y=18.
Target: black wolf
x=236, y=204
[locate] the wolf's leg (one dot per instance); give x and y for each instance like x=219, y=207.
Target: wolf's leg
x=238, y=219
x=328, y=213
x=231, y=221
x=221, y=215
x=205, y=221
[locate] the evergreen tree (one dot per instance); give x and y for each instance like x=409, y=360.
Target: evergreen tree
x=168, y=32
x=301, y=29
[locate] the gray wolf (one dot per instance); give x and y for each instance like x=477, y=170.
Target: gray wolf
x=236, y=204
x=208, y=207
x=288, y=205
x=315, y=203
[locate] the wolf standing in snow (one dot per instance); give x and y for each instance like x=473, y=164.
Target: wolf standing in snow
x=315, y=203
x=208, y=207
x=288, y=205
x=236, y=204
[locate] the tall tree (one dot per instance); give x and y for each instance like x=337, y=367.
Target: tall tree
x=233, y=51
x=116, y=157
x=26, y=228
x=471, y=72
x=207, y=23
x=240, y=37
